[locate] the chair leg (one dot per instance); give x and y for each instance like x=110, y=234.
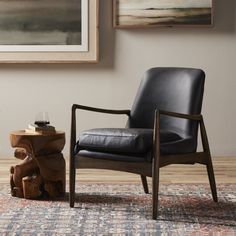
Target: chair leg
x=72, y=186
x=155, y=189
x=209, y=165
x=145, y=184
x=156, y=165
x=211, y=177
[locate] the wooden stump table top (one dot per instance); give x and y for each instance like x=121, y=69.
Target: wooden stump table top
x=38, y=144
x=23, y=132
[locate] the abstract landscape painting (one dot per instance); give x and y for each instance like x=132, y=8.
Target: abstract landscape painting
x=138, y=13
x=40, y=23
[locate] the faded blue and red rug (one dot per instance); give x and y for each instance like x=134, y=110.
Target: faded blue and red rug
x=123, y=209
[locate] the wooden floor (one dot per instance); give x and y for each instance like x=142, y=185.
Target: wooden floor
x=224, y=167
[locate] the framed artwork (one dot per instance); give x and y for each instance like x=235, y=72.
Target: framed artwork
x=55, y=31
x=151, y=13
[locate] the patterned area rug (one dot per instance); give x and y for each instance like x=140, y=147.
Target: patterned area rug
x=123, y=210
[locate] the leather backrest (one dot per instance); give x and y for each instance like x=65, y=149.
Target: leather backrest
x=170, y=89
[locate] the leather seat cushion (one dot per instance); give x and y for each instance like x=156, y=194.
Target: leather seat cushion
x=115, y=140
x=115, y=156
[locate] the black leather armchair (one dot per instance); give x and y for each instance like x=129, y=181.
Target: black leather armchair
x=162, y=129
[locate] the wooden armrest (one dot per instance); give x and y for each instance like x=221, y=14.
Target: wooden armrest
x=94, y=109
x=158, y=113
x=181, y=115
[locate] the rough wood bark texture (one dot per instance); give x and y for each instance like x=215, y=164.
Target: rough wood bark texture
x=42, y=170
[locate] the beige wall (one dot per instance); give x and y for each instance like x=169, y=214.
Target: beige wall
x=125, y=55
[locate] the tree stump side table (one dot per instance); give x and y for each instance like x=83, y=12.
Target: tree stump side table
x=42, y=171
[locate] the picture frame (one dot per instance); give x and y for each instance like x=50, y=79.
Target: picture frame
x=79, y=45
x=162, y=13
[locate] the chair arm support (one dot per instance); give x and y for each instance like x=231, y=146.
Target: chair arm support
x=156, y=136
x=198, y=118
x=94, y=109
x=181, y=115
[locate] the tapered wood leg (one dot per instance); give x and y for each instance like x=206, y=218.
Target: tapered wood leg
x=145, y=184
x=211, y=177
x=209, y=165
x=72, y=184
x=155, y=190
x=156, y=165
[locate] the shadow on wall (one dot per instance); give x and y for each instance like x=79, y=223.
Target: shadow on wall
x=107, y=35
x=106, y=40
x=225, y=16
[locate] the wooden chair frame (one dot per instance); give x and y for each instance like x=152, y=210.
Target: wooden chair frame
x=144, y=169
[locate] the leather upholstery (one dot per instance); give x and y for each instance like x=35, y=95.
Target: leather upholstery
x=116, y=157
x=171, y=89
x=129, y=141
